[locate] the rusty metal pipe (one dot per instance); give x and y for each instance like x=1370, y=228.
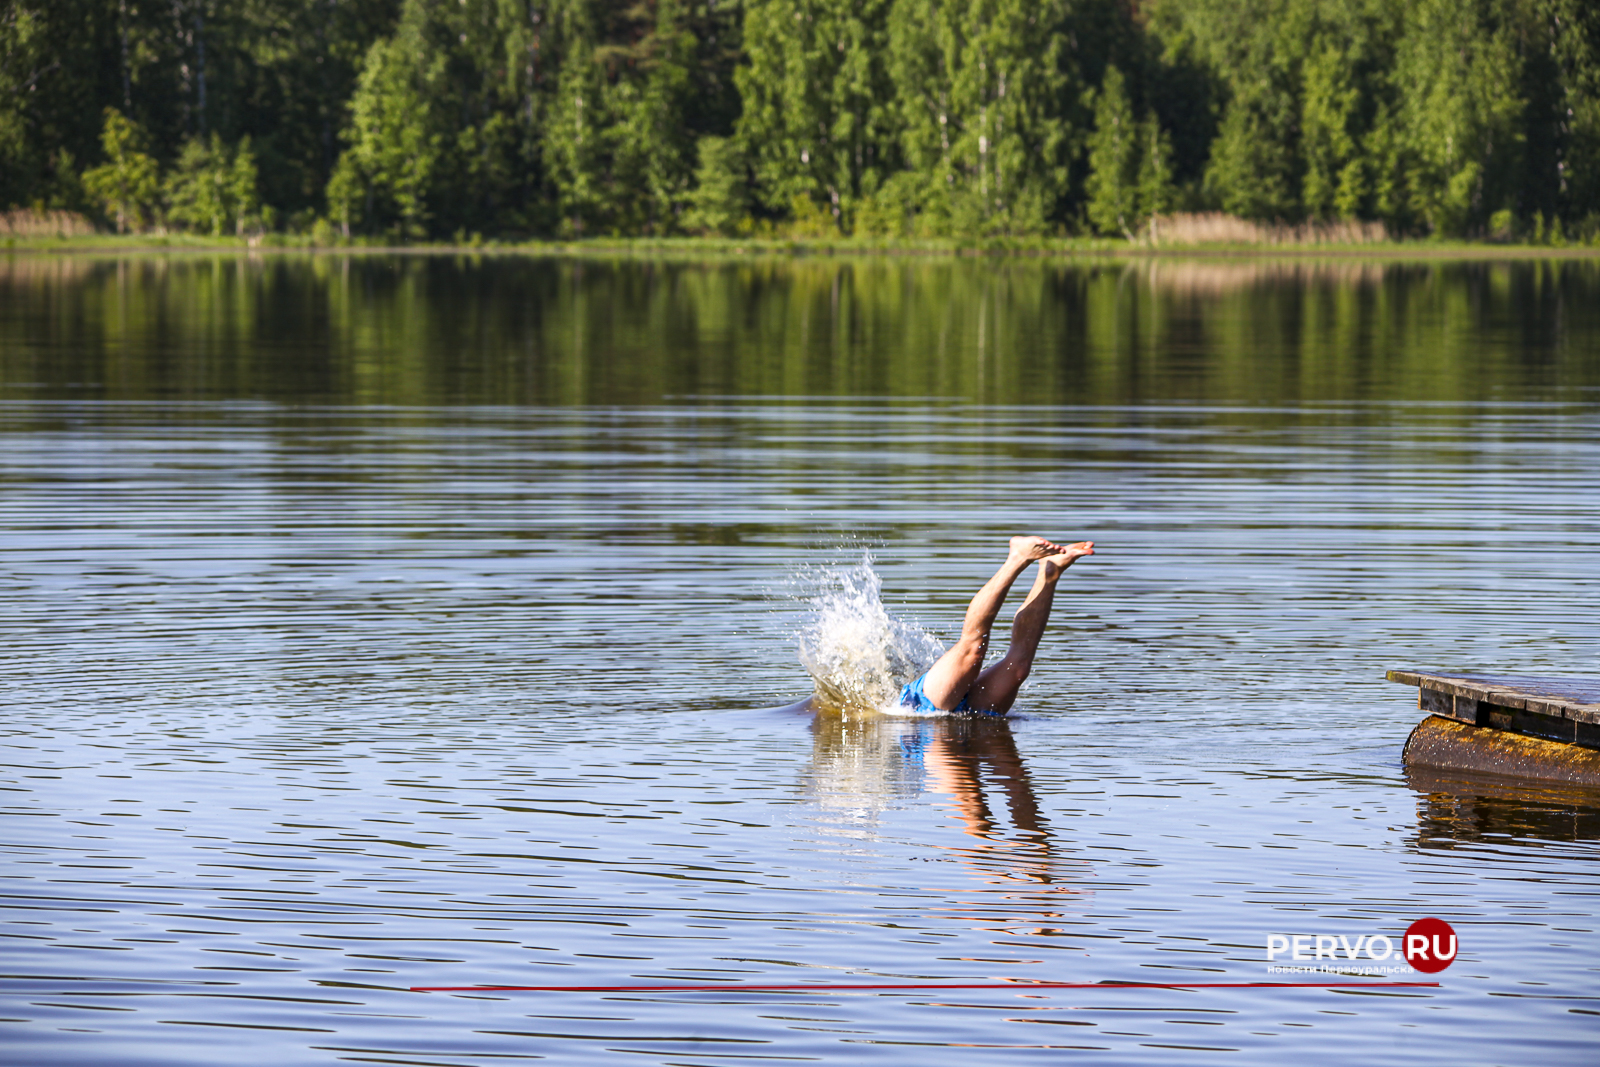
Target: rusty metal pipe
x=1453, y=745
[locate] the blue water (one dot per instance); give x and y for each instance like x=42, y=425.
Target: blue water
x=311, y=699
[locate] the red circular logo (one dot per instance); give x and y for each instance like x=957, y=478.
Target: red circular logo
x=1430, y=945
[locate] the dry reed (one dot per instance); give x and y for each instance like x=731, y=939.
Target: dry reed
x=1189, y=277
x=1215, y=228
x=26, y=222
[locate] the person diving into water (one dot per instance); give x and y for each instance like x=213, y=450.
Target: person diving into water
x=957, y=681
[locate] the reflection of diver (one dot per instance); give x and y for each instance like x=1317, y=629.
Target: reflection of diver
x=865, y=763
x=964, y=755
x=958, y=753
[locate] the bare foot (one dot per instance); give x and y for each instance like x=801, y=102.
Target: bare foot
x=1029, y=549
x=1054, y=564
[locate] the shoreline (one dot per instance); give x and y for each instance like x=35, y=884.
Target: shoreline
x=722, y=248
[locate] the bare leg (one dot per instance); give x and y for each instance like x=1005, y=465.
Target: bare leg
x=996, y=688
x=949, y=679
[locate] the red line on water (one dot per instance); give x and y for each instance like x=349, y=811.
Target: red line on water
x=863, y=987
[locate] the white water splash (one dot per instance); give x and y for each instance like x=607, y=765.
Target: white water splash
x=855, y=651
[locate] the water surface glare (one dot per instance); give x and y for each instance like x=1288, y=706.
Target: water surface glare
x=420, y=664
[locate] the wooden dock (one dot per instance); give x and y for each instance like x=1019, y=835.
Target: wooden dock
x=1515, y=725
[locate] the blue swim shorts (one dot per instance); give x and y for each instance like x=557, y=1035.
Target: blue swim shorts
x=913, y=699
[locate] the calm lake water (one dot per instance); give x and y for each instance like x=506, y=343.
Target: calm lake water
x=387, y=621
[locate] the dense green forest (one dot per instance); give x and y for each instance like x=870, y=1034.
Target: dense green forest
x=430, y=119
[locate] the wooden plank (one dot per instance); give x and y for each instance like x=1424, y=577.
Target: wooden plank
x=1435, y=702
x=1573, y=699
x=1522, y=721
x=1586, y=734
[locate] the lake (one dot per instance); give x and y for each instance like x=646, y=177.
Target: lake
x=388, y=621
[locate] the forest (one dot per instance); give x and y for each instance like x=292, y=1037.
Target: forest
x=416, y=120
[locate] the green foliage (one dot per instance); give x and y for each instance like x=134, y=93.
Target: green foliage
x=22, y=55
x=1385, y=167
x=1457, y=74
x=981, y=88
x=408, y=119
x=1114, y=157
x=442, y=132
x=1157, y=195
x=652, y=151
x=214, y=189
x=720, y=199
x=1575, y=80
x=55, y=82
x=62, y=188
x=347, y=194
x=808, y=219
x=817, y=120
x=897, y=208
x=1301, y=81
x=1130, y=164
x=1251, y=167
x=283, y=72
x=128, y=184
x=1333, y=184
x=394, y=145
x=636, y=85
x=573, y=138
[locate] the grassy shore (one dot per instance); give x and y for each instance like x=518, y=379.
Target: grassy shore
x=703, y=247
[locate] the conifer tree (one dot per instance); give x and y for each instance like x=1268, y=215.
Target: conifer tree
x=1251, y=170
x=1114, y=160
x=720, y=199
x=1156, y=192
